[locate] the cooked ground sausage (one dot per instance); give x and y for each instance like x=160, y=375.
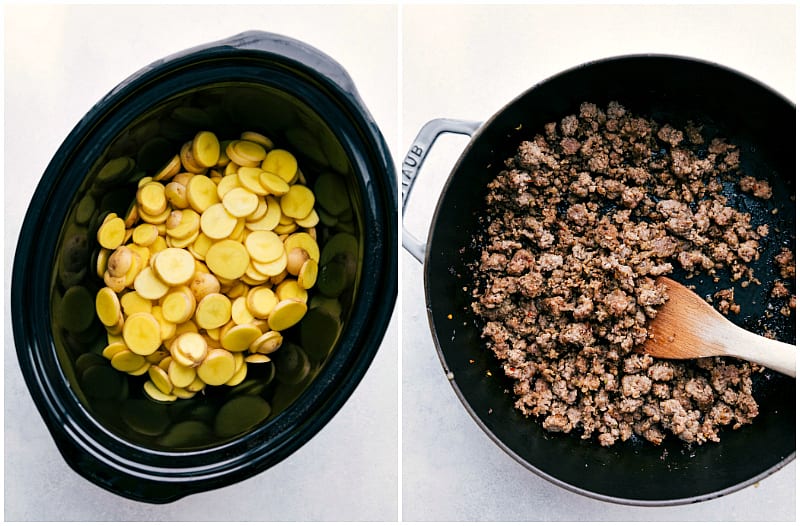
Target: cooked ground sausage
x=580, y=222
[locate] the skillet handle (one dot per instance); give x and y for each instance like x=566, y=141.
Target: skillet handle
x=412, y=163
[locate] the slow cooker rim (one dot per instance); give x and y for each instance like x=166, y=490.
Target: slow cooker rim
x=379, y=314
x=427, y=277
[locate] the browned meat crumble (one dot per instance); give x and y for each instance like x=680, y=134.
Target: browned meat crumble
x=580, y=222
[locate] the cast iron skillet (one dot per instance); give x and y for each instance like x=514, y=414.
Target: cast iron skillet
x=670, y=89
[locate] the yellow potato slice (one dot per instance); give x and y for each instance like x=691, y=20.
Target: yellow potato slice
x=295, y=260
x=155, y=219
x=175, y=193
x=201, y=193
x=183, y=223
x=285, y=229
x=289, y=289
x=200, y=247
x=239, y=202
x=307, y=276
x=155, y=394
x=218, y=367
x=117, y=327
x=145, y=234
x=238, y=233
x=160, y=379
x=168, y=329
x=174, y=266
x=257, y=358
x=183, y=394
x=273, y=268
x=261, y=301
x=142, y=251
x=189, y=349
x=158, y=245
x=263, y=246
x=132, y=302
x=102, y=262
x=310, y=221
x=249, y=178
x=246, y=153
x=149, y=286
x=230, y=168
x=213, y=311
x=298, y=202
x=160, y=358
x=169, y=170
x=107, y=306
x=151, y=198
x=257, y=138
x=216, y=222
x=228, y=259
x=180, y=375
x=141, y=333
x=271, y=217
x=203, y=283
x=240, y=314
x=188, y=160
x=228, y=183
x=240, y=374
x=267, y=343
x=184, y=242
x=259, y=212
x=254, y=277
x=205, y=149
x=286, y=314
x=239, y=337
x=177, y=307
x=113, y=348
x=111, y=234
x=127, y=361
x=281, y=163
x=305, y=241
x=273, y=183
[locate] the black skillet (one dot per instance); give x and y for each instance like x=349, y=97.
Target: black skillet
x=669, y=89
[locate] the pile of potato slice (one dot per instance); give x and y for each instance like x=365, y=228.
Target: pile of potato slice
x=211, y=263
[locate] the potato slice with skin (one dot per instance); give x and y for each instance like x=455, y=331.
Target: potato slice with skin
x=213, y=311
x=205, y=149
x=175, y=193
x=218, y=367
x=177, y=307
x=240, y=314
x=174, y=266
x=286, y=314
x=298, y=202
x=267, y=343
x=107, y=306
x=111, y=234
x=305, y=241
x=149, y=286
x=239, y=202
x=170, y=169
x=263, y=246
x=127, y=361
x=132, y=302
x=307, y=276
x=155, y=394
x=189, y=349
x=273, y=183
x=182, y=223
x=228, y=183
x=228, y=259
x=142, y=333
x=152, y=198
x=160, y=379
x=288, y=289
x=201, y=193
x=239, y=337
x=145, y=234
x=216, y=222
x=281, y=163
x=203, y=284
x=180, y=375
x=258, y=138
x=246, y=153
x=260, y=301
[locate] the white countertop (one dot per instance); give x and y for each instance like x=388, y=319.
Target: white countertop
x=59, y=61
x=467, y=62
x=458, y=61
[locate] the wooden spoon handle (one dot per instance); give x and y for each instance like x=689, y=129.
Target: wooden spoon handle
x=773, y=354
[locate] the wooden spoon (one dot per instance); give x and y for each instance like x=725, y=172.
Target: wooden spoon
x=688, y=327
